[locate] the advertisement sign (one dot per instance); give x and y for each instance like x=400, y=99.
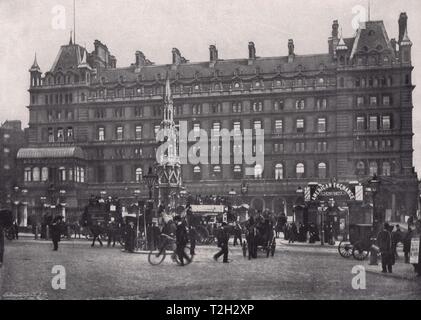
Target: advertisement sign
x=207, y=208
x=415, y=250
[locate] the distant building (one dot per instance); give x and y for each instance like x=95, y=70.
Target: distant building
x=12, y=138
x=344, y=115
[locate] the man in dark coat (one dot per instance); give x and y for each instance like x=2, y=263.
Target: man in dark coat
x=56, y=231
x=293, y=233
x=384, y=241
x=130, y=236
x=251, y=238
x=237, y=234
x=397, y=236
x=181, y=239
x=223, y=238
x=96, y=231
x=407, y=244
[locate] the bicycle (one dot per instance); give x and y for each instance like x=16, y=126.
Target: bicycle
x=167, y=243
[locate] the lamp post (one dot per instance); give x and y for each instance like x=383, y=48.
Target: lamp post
x=150, y=180
x=15, y=202
x=322, y=222
x=136, y=195
x=62, y=201
x=375, y=184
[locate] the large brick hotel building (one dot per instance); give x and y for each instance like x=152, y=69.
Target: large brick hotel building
x=344, y=116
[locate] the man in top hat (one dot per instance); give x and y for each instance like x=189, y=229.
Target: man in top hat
x=384, y=241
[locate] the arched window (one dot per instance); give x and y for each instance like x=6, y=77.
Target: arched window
x=279, y=171
x=62, y=173
x=258, y=171
x=360, y=168
x=386, y=168
x=36, y=174
x=321, y=170
x=373, y=167
x=44, y=174
x=139, y=174
x=299, y=170
x=28, y=175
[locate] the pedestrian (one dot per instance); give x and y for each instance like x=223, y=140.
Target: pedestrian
x=407, y=244
x=396, y=238
x=96, y=232
x=251, y=239
x=181, y=239
x=293, y=233
x=56, y=231
x=15, y=230
x=111, y=233
x=192, y=239
x=384, y=242
x=130, y=236
x=222, y=238
x=237, y=234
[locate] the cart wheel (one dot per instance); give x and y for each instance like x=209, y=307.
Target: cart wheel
x=359, y=252
x=345, y=249
x=155, y=258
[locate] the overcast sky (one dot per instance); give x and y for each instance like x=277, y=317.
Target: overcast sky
x=156, y=26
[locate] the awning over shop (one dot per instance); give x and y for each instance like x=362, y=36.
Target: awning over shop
x=50, y=153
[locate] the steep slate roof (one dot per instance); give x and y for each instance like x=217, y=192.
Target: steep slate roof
x=225, y=68
x=69, y=57
x=42, y=153
x=371, y=38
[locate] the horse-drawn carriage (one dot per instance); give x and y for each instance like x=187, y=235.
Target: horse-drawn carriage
x=259, y=236
x=361, y=238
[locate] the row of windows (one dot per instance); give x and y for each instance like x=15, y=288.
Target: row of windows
x=385, y=144
x=54, y=115
x=60, y=134
x=258, y=172
x=374, y=122
x=44, y=174
x=374, y=168
x=373, y=100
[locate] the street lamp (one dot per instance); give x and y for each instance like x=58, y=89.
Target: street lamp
x=375, y=184
x=137, y=194
x=62, y=201
x=322, y=222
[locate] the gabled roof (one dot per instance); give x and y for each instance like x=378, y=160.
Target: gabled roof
x=69, y=57
x=42, y=153
x=371, y=36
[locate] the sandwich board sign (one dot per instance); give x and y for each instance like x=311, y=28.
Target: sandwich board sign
x=415, y=250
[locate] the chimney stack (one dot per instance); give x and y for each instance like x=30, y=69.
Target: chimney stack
x=335, y=29
x=291, y=53
x=213, y=53
x=403, y=23
x=252, y=50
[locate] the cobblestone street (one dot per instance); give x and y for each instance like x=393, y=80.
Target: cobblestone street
x=296, y=272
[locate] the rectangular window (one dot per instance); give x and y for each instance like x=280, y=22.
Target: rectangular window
x=373, y=123
x=386, y=100
x=386, y=122
x=373, y=101
x=69, y=133
x=278, y=126
x=50, y=135
x=119, y=133
x=217, y=108
x=101, y=134
x=299, y=146
x=236, y=125
x=216, y=128
x=278, y=147
x=196, y=130
x=119, y=174
x=138, y=111
x=300, y=125
x=278, y=105
x=257, y=124
x=321, y=125
x=196, y=109
x=60, y=135
x=257, y=106
x=156, y=129
x=138, y=132
x=360, y=123
x=360, y=101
